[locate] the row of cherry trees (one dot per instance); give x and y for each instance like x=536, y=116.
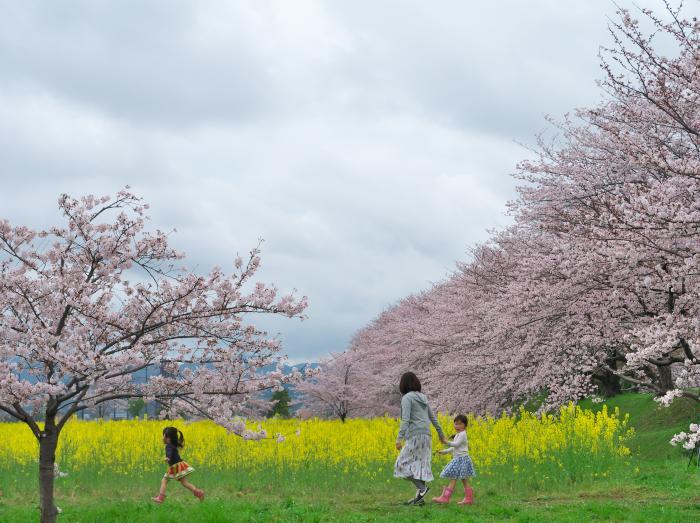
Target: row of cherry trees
x=596, y=283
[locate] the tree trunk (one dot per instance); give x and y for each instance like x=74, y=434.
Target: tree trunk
x=608, y=384
x=47, y=458
x=665, y=377
x=606, y=380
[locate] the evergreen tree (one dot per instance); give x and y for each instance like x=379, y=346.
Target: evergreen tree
x=281, y=406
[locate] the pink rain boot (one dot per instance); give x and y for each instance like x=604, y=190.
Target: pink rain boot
x=468, y=497
x=159, y=498
x=199, y=494
x=445, y=496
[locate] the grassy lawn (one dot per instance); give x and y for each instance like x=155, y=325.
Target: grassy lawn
x=654, y=484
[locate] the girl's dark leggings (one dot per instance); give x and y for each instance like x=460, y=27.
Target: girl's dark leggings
x=419, y=483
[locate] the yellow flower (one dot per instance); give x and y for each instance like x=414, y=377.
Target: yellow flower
x=519, y=441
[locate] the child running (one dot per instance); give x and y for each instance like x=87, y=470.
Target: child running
x=415, y=460
x=460, y=467
x=177, y=468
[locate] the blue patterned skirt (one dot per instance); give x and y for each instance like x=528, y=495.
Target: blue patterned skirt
x=458, y=468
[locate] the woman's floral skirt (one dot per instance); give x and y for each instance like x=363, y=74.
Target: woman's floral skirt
x=415, y=459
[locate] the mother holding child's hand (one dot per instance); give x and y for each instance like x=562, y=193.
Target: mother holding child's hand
x=415, y=459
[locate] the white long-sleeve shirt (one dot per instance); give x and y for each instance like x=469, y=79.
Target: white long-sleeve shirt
x=459, y=445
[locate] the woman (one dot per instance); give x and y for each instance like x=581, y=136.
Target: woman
x=415, y=459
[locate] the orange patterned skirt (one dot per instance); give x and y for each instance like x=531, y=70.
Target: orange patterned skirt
x=178, y=471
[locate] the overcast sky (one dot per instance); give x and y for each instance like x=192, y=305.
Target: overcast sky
x=368, y=142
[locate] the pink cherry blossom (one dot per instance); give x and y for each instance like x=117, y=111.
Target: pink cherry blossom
x=597, y=282
x=87, y=304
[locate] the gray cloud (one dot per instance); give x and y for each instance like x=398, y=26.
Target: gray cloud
x=368, y=143
x=139, y=61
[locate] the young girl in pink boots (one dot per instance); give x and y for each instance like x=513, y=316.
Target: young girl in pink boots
x=177, y=468
x=460, y=467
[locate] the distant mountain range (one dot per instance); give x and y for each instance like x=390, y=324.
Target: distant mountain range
x=142, y=375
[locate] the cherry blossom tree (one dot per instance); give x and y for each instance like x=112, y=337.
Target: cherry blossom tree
x=624, y=190
x=421, y=333
x=87, y=304
x=334, y=391
x=597, y=282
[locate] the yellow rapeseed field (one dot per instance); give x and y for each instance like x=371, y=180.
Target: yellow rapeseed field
x=362, y=446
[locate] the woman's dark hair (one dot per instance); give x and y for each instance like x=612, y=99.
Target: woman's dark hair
x=463, y=419
x=175, y=436
x=409, y=383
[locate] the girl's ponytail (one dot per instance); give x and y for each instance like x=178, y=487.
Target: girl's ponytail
x=175, y=436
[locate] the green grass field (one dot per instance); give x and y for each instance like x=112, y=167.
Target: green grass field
x=654, y=484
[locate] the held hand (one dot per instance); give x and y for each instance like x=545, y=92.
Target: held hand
x=399, y=445
x=165, y=459
x=443, y=440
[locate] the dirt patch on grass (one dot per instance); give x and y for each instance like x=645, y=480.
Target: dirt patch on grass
x=637, y=494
